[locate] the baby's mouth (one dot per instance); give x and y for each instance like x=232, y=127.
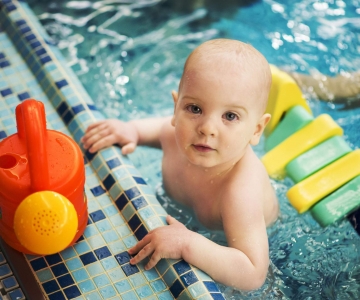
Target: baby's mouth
x=202, y=147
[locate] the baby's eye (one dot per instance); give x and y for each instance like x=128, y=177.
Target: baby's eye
x=194, y=109
x=229, y=116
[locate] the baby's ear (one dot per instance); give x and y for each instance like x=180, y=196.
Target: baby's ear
x=175, y=97
x=259, y=129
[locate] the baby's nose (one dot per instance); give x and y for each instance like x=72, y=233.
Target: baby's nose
x=208, y=127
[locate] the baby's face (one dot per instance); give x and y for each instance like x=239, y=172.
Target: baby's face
x=216, y=115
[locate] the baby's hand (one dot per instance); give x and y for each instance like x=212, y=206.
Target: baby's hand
x=108, y=132
x=163, y=242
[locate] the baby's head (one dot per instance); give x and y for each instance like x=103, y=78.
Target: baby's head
x=231, y=59
x=219, y=109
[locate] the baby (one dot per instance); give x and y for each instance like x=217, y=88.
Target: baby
x=208, y=163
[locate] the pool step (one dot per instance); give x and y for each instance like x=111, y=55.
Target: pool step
x=313, y=153
x=295, y=119
x=317, y=131
x=284, y=94
x=306, y=193
x=340, y=203
x=317, y=158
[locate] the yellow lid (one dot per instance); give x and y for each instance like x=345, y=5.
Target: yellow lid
x=45, y=222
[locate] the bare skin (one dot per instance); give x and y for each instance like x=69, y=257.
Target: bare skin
x=209, y=165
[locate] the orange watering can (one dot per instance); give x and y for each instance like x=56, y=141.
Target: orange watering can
x=43, y=207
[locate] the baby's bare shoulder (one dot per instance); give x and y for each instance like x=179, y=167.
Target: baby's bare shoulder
x=167, y=134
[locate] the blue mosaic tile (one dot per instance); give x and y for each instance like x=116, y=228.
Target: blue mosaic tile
x=130, y=269
x=80, y=275
x=158, y=285
x=139, y=180
x=57, y=296
x=211, y=286
x=113, y=163
x=40, y=51
x=137, y=279
x=121, y=201
x=181, y=267
x=44, y=275
x=217, y=296
x=16, y=295
x=151, y=274
x=68, y=253
x=109, y=263
x=72, y=292
x=123, y=286
x=134, y=222
x=177, y=288
x=97, y=191
x=53, y=259
x=97, y=215
x=23, y=96
x=139, y=203
x=59, y=269
x=88, y=258
x=20, y=22
x=74, y=264
x=9, y=283
x=50, y=286
x=65, y=280
x=95, y=269
x=4, y=64
x=87, y=286
x=141, y=232
x=44, y=59
x=107, y=292
x=38, y=264
x=123, y=257
x=144, y=291
x=24, y=29
x=189, y=278
x=132, y=193
x=78, y=108
x=68, y=117
x=108, y=181
x=10, y=7
x=103, y=225
x=91, y=106
x=101, y=280
x=62, y=108
x=102, y=253
x=6, y=92
x=2, y=134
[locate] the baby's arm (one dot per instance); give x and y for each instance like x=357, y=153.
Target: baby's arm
x=127, y=134
x=243, y=264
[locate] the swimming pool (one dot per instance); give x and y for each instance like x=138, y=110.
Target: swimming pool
x=129, y=56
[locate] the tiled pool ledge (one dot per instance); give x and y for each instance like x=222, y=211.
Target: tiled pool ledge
x=122, y=207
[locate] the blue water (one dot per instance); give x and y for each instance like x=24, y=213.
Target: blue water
x=130, y=56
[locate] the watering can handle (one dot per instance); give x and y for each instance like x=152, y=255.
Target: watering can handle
x=31, y=123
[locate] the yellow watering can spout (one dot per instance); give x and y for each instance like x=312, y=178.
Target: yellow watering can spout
x=45, y=222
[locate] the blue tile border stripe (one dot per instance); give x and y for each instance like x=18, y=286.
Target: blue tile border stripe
x=121, y=207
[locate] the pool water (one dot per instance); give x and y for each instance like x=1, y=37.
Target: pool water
x=129, y=56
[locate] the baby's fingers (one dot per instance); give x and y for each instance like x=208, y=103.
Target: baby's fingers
x=94, y=125
x=100, y=144
x=153, y=261
x=99, y=134
x=128, y=148
x=141, y=244
x=144, y=252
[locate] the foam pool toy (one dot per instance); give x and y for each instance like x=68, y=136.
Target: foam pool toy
x=313, y=153
x=43, y=207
